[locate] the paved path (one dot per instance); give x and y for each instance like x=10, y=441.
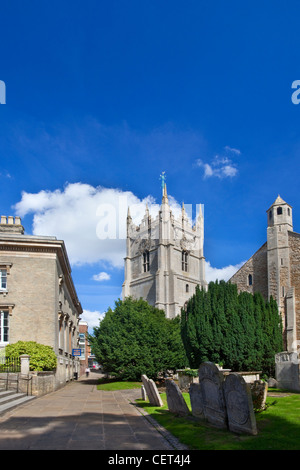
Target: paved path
x=81, y=417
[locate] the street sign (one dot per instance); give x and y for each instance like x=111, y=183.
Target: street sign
x=76, y=352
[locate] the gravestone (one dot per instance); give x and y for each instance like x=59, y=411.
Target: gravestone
x=196, y=400
x=239, y=405
x=175, y=400
x=151, y=391
x=288, y=371
x=259, y=390
x=211, y=383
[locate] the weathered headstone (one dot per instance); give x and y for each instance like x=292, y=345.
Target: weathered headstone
x=287, y=369
x=211, y=383
x=175, y=400
x=239, y=405
x=196, y=400
x=151, y=391
x=144, y=394
x=259, y=390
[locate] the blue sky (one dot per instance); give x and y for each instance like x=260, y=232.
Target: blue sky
x=101, y=97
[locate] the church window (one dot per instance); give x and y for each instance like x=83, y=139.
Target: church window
x=250, y=280
x=146, y=263
x=279, y=210
x=289, y=211
x=184, y=260
x=270, y=215
x=187, y=288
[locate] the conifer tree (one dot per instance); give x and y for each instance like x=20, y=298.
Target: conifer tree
x=239, y=330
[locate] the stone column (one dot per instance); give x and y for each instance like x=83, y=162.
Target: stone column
x=24, y=364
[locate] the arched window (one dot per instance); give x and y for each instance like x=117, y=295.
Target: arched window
x=279, y=210
x=184, y=260
x=186, y=288
x=146, y=264
x=250, y=280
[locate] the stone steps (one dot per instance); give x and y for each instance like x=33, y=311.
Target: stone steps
x=9, y=399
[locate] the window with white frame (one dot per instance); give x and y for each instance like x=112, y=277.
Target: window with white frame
x=3, y=279
x=4, y=327
x=82, y=345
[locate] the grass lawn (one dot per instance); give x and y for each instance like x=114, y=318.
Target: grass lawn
x=110, y=385
x=278, y=426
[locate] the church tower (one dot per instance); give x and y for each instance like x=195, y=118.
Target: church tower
x=164, y=258
x=280, y=285
x=280, y=223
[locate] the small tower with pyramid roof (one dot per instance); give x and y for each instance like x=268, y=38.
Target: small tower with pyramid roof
x=164, y=260
x=274, y=270
x=279, y=254
x=280, y=214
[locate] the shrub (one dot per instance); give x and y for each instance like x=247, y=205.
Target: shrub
x=41, y=357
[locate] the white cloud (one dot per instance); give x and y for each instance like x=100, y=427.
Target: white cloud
x=92, y=318
x=212, y=274
x=233, y=150
x=101, y=277
x=220, y=166
x=91, y=220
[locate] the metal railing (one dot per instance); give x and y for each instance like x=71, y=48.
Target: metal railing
x=10, y=368
x=10, y=364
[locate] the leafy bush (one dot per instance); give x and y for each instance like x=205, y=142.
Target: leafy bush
x=41, y=357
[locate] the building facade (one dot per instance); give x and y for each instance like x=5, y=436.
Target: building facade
x=164, y=258
x=84, y=345
x=274, y=270
x=38, y=300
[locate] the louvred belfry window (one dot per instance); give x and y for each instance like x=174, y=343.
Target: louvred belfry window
x=146, y=263
x=184, y=260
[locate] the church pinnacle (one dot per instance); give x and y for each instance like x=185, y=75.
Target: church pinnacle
x=165, y=195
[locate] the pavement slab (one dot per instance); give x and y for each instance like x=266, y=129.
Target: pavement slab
x=80, y=417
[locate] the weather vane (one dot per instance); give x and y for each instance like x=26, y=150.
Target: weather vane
x=163, y=180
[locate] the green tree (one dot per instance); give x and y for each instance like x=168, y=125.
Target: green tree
x=239, y=330
x=136, y=338
x=41, y=357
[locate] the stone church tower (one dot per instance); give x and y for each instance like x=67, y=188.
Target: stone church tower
x=164, y=259
x=274, y=270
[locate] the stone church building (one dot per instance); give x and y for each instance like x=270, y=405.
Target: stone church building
x=164, y=258
x=274, y=270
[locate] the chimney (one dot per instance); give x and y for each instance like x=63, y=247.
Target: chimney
x=11, y=224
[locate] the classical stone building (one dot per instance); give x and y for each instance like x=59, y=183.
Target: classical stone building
x=164, y=260
x=274, y=270
x=38, y=300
